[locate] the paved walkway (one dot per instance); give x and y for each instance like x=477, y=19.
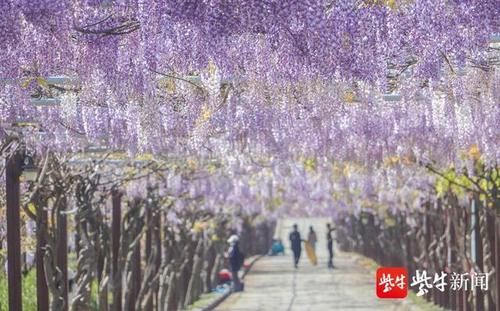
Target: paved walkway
x=273, y=284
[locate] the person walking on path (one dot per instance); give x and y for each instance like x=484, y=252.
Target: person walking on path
x=236, y=259
x=312, y=238
x=329, y=240
x=296, y=242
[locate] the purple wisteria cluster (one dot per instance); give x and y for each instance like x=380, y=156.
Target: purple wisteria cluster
x=255, y=80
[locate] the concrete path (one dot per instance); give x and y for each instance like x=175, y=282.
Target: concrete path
x=273, y=284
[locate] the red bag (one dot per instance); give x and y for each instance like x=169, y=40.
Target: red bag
x=225, y=276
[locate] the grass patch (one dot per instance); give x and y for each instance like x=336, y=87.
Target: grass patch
x=29, y=292
x=28, y=288
x=204, y=301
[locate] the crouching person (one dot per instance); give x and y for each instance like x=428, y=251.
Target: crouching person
x=236, y=259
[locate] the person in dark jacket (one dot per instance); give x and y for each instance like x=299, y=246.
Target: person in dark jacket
x=296, y=243
x=236, y=259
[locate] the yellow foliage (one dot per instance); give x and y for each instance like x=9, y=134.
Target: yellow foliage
x=349, y=96
x=212, y=168
x=26, y=82
x=347, y=170
x=267, y=172
x=145, y=157
x=168, y=84
x=276, y=202
x=117, y=155
x=205, y=114
x=32, y=208
x=390, y=3
x=309, y=164
x=199, y=226
x=42, y=82
x=212, y=224
x=474, y=152
x=192, y=164
x=389, y=221
x=391, y=161
x=252, y=182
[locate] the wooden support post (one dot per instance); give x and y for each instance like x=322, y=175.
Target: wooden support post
x=148, y=247
x=157, y=234
x=149, y=233
x=12, y=174
x=135, y=285
x=447, y=263
x=42, y=291
x=466, y=300
x=427, y=242
x=478, y=243
x=62, y=249
x=497, y=253
x=462, y=300
x=115, y=242
x=489, y=261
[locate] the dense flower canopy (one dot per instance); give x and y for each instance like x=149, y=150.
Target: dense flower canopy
x=257, y=83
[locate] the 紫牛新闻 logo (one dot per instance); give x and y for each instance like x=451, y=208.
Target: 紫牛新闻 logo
x=392, y=282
